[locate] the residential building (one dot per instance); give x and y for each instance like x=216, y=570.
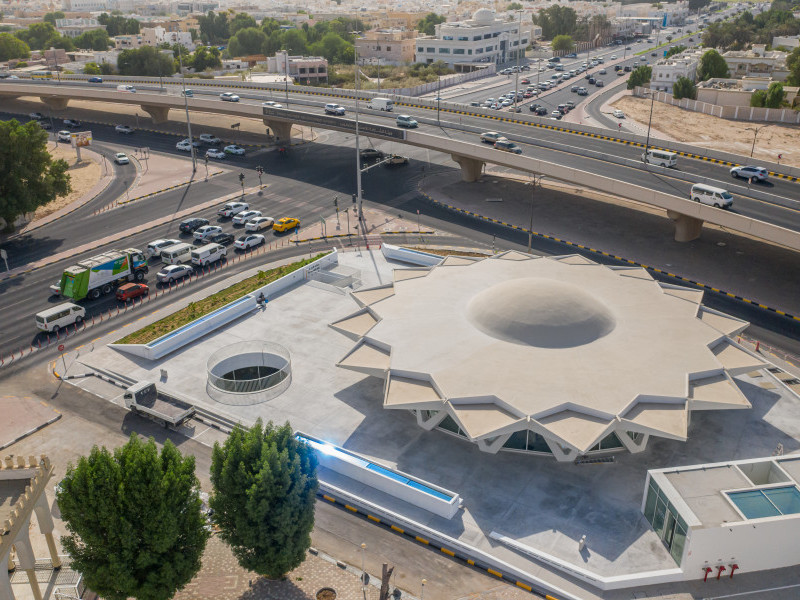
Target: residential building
x=154, y=36
x=74, y=27
x=667, y=70
x=758, y=61
x=737, y=92
x=465, y=44
x=84, y=5
x=54, y=57
x=389, y=46
x=303, y=69
x=128, y=42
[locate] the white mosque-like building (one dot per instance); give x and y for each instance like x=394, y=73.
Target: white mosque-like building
x=546, y=355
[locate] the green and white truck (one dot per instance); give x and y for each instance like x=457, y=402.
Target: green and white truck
x=101, y=274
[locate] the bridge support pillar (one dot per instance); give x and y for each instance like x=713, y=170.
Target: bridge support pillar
x=159, y=114
x=686, y=228
x=471, y=168
x=280, y=129
x=55, y=102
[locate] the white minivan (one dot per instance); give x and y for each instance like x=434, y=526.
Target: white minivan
x=713, y=196
x=177, y=254
x=380, y=104
x=207, y=254
x=55, y=318
x=660, y=158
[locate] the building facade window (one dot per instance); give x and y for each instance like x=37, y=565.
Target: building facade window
x=666, y=521
x=444, y=50
x=458, y=50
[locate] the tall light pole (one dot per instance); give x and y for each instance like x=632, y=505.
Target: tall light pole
x=186, y=106
x=358, y=142
x=533, y=183
x=652, y=93
x=516, y=75
x=755, y=135
x=438, y=94
x=286, y=75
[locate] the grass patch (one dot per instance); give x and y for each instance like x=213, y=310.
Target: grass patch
x=195, y=310
x=440, y=252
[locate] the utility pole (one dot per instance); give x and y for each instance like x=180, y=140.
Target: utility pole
x=516, y=75
x=186, y=106
x=286, y=74
x=358, y=143
x=533, y=183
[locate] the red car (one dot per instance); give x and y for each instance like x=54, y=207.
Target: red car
x=525, y=81
x=132, y=290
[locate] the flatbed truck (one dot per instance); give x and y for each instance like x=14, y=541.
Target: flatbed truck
x=167, y=410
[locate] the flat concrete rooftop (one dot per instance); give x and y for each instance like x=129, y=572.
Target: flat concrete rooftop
x=535, y=500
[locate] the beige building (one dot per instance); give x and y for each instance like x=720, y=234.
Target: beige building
x=303, y=69
x=737, y=92
x=389, y=46
x=556, y=356
x=666, y=71
x=758, y=61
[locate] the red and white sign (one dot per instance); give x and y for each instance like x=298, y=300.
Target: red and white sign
x=81, y=139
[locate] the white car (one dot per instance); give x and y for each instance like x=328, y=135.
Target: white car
x=613, y=57
x=173, y=272
x=232, y=208
x=206, y=231
x=215, y=153
x=334, y=109
x=184, y=146
x=244, y=216
x=229, y=97
x=618, y=114
x=272, y=104
x=123, y=129
x=750, y=172
x=234, y=149
x=72, y=123
x=121, y=158
x=259, y=223
x=155, y=247
x=36, y=116
x=64, y=136
x=248, y=241
x=207, y=138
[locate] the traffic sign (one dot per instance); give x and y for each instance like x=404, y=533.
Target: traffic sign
x=61, y=347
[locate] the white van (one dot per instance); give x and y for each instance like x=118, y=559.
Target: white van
x=660, y=158
x=60, y=316
x=177, y=254
x=208, y=254
x=380, y=104
x=713, y=196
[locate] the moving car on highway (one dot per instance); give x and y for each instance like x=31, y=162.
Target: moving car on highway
x=750, y=172
x=272, y=104
x=206, y=231
x=189, y=225
x=229, y=97
x=618, y=114
x=173, y=272
x=507, y=146
x=245, y=215
x=395, y=160
x=155, y=247
x=215, y=153
x=259, y=223
x=123, y=129
x=71, y=123
x=36, y=116
x=121, y=158
x=234, y=149
x=207, y=138
x=132, y=290
x=232, y=208
x=334, y=109
x=490, y=137
x=64, y=136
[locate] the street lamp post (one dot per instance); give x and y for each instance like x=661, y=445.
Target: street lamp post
x=516, y=75
x=649, y=124
x=438, y=95
x=358, y=143
x=755, y=135
x=186, y=106
x=286, y=75
x=363, y=572
x=533, y=183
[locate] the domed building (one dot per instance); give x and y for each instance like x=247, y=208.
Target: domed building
x=559, y=356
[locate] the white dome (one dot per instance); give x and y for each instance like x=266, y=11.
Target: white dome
x=483, y=16
x=540, y=312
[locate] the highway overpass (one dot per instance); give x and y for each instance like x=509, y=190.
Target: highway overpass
x=687, y=216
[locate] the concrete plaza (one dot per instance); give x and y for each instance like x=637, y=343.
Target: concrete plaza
x=537, y=501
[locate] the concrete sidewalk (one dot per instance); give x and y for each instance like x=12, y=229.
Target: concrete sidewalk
x=734, y=263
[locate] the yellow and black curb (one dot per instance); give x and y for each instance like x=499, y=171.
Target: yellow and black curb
x=621, y=259
x=434, y=545
x=352, y=235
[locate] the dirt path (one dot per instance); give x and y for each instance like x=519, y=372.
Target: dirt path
x=83, y=176
x=715, y=133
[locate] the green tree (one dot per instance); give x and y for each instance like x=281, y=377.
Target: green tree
x=146, y=61
x=37, y=34
x=214, y=28
x=51, y=17
x=29, y=177
x=675, y=50
x=696, y=5
x=758, y=98
x=793, y=63
x=107, y=69
x=118, y=25
x=91, y=68
x=205, y=58
x=265, y=481
x=136, y=528
x=514, y=6
x=239, y=22
x=247, y=41
x=427, y=25
x=775, y=95
x=684, y=88
x=12, y=47
x=669, y=39
x=563, y=43
x=640, y=76
x=96, y=39
x=712, y=65
x=556, y=20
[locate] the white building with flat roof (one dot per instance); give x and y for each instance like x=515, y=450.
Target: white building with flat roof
x=722, y=519
x=481, y=39
x=667, y=70
x=74, y=27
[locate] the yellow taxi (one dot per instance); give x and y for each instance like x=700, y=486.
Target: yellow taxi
x=286, y=224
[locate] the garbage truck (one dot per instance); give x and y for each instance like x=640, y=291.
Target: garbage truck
x=101, y=274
